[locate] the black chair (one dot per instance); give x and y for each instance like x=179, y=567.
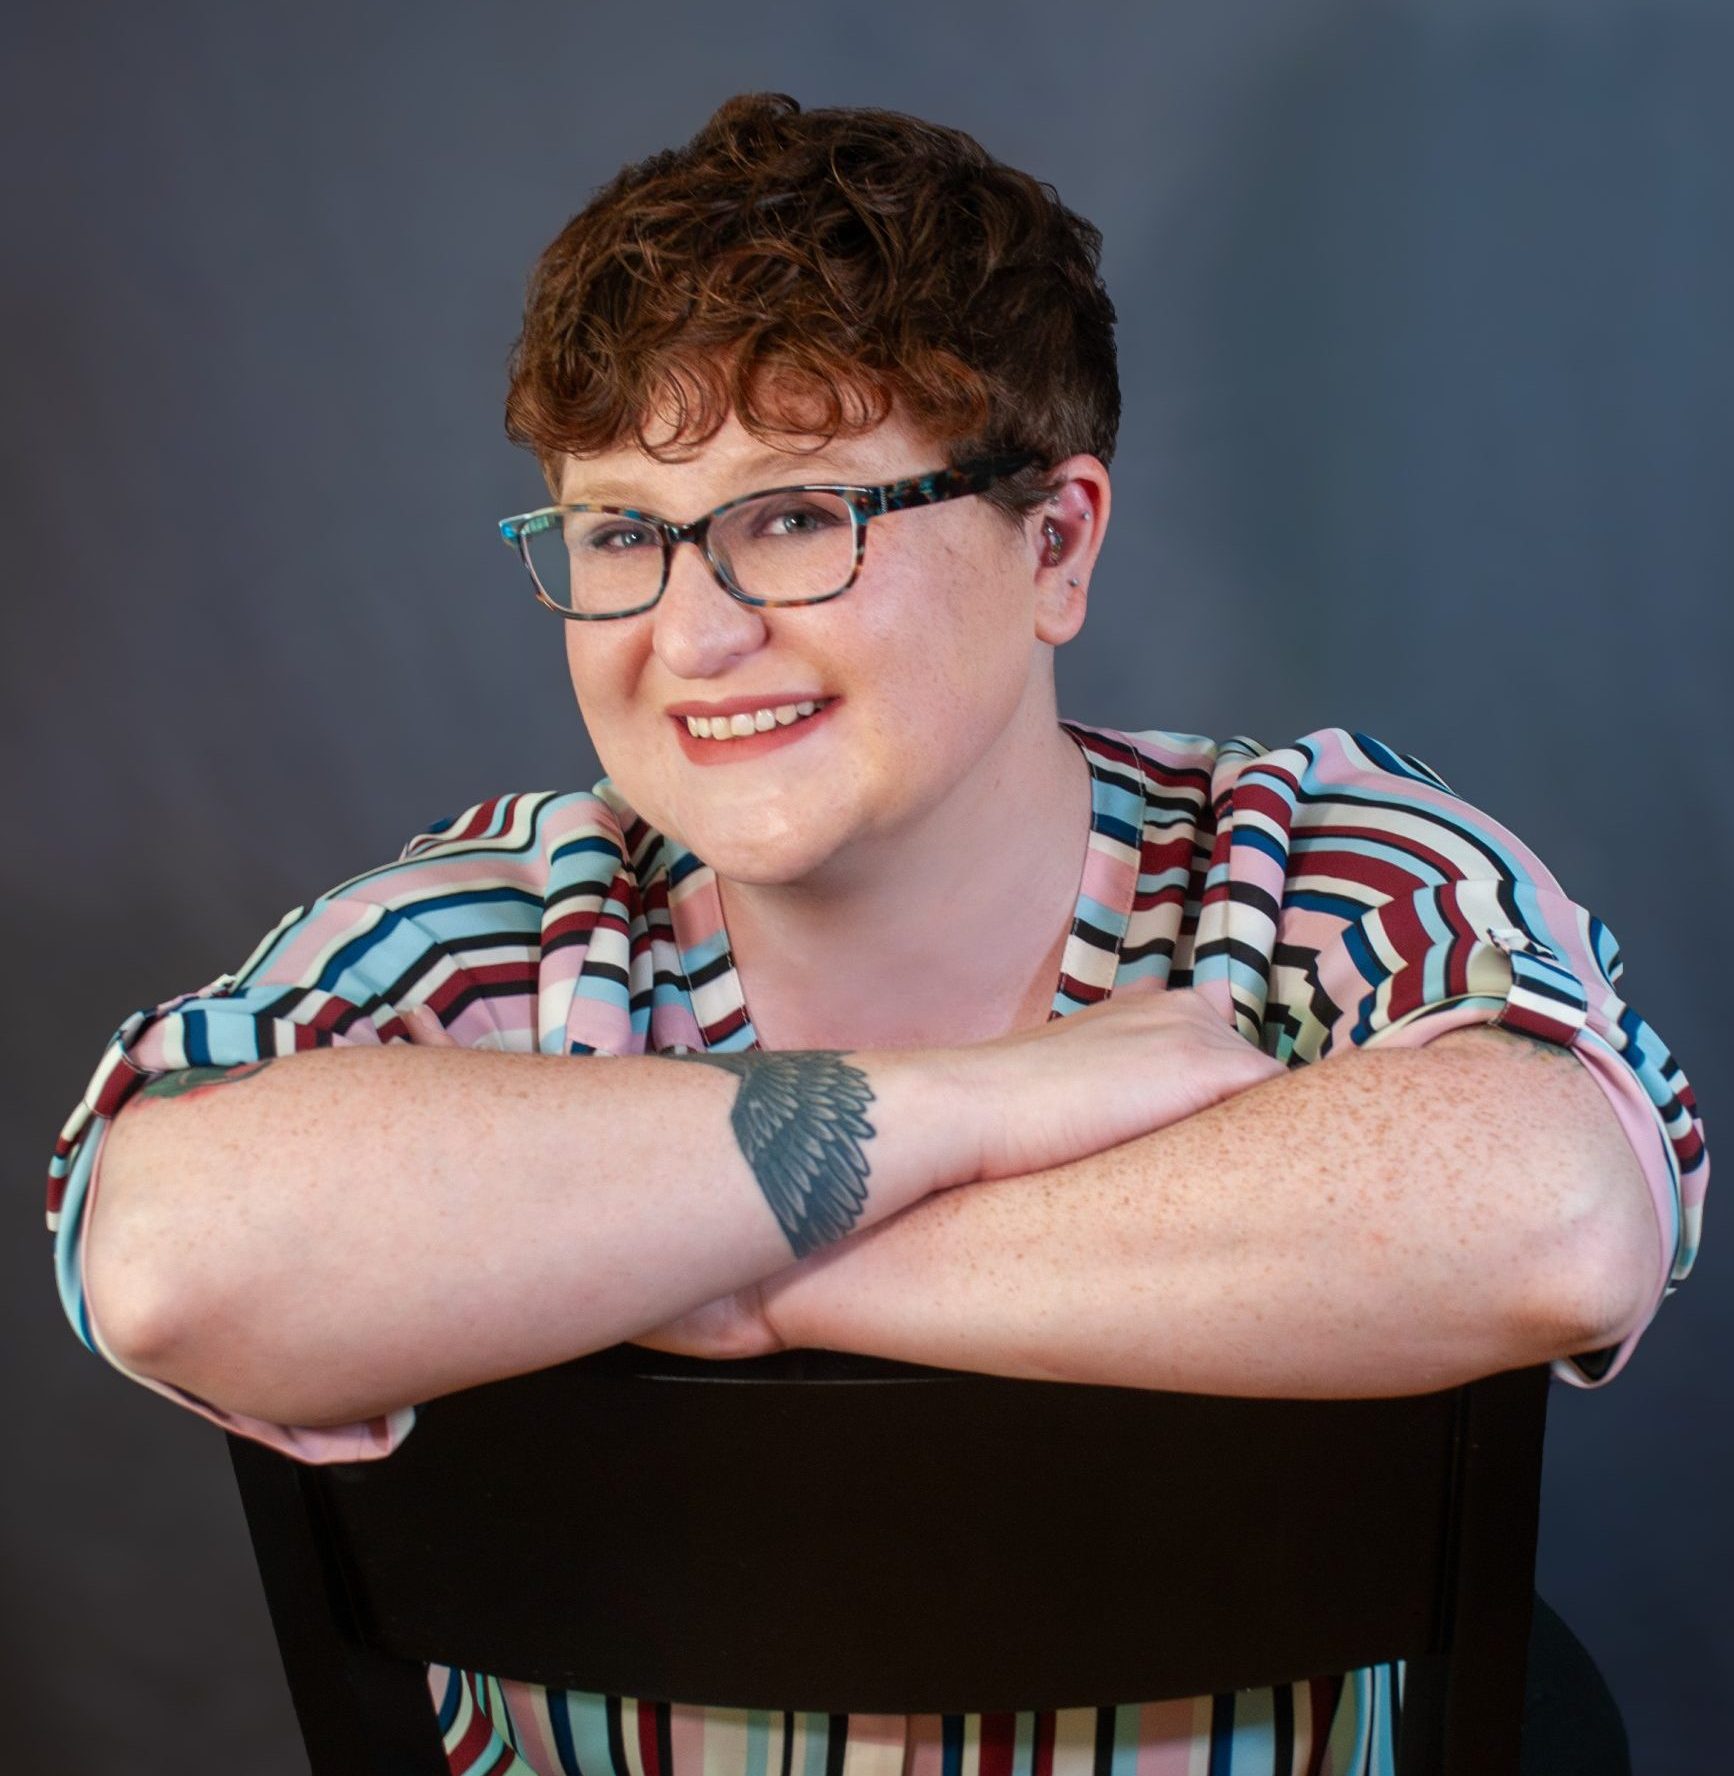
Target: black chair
x=766, y=1533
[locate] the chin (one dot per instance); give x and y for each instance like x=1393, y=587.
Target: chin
x=757, y=864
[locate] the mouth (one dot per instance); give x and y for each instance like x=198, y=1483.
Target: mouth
x=720, y=748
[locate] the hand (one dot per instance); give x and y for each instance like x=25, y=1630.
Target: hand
x=1125, y=1067
x=731, y=1326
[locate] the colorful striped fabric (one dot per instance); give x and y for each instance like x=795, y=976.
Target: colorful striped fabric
x=1329, y=894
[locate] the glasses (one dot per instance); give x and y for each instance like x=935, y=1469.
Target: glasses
x=787, y=545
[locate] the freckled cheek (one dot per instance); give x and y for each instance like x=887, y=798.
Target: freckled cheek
x=604, y=679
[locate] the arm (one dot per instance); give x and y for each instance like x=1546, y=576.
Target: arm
x=1389, y=1221
x=319, y=1238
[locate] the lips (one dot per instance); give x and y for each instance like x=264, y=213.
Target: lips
x=710, y=724
x=741, y=747
x=748, y=705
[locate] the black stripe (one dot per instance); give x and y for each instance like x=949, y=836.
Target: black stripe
x=712, y=970
x=1104, y=1761
x=616, y=1740
x=1542, y=988
x=1282, y=1749
x=1093, y=935
x=1158, y=946
x=1237, y=949
x=665, y=1738
x=836, y=1739
x=479, y=842
x=788, y=1742
x=593, y=891
x=1250, y=894
x=1428, y=817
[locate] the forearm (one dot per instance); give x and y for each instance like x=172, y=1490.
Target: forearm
x=329, y=1236
x=1377, y=1224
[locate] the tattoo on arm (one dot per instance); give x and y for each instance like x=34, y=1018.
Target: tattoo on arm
x=798, y=1120
x=187, y=1081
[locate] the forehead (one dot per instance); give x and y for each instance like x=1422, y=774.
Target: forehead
x=736, y=461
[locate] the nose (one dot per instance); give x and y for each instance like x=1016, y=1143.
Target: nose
x=699, y=628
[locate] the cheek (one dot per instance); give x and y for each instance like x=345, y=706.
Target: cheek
x=963, y=653
x=599, y=668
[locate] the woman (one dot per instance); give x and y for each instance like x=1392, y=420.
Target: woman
x=1012, y=980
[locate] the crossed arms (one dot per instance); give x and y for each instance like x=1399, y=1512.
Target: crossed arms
x=1388, y=1221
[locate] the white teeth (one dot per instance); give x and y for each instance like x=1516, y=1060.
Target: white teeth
x=727, y=727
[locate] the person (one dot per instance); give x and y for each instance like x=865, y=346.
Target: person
x=1013, y=1043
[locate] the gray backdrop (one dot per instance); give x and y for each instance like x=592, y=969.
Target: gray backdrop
x=1424, y=330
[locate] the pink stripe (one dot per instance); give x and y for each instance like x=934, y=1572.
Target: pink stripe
x=925, y=1745
x=686, y=1738
x=293, y=963
x=697, y=915
x=527, y=1706
x=1109, y=877
x=603, y=1024
x=1167, y=1737
x=671, y=1023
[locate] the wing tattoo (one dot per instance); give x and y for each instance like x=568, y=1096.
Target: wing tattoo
x=798, y=1120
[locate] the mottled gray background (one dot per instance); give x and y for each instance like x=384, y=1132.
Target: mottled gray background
x=1425, y=340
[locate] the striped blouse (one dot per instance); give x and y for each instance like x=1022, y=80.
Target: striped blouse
x=1331, y=892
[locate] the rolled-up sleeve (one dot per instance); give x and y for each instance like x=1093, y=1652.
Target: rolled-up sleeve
x=298, y=992
x=355, y=967
x=1369, y=905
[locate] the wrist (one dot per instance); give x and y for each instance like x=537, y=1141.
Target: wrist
x=933, y=1098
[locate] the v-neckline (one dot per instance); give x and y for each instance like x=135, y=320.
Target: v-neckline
x=1101, y=909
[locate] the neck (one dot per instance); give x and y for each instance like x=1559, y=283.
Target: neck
x=864, y=961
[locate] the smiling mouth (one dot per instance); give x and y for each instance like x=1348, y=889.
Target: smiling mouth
x=744, y=726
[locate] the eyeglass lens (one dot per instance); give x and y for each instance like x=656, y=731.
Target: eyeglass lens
x=781, y=547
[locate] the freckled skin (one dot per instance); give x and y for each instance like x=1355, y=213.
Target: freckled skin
x=797, y=1119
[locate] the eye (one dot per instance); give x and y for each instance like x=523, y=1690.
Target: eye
x=614, y=537
x=798, y=517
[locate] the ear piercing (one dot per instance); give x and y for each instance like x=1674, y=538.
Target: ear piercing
x=1056, y=545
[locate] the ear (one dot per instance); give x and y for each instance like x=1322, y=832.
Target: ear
x=1064, y=537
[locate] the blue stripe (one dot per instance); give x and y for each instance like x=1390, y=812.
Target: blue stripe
x=449, y=1702
x=818, y=1744
x=1255, y=838
x=1222, y=1734
x=560, y=1725
x=951, y=1747
x=587, y=1724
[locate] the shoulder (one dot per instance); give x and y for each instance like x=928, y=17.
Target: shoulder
x=1324, y=762
x=523, y=822
x=1237, y=773
x=1172, y=767
x=532, y=841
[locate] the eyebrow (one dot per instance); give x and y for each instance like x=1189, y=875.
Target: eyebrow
x=806, y=467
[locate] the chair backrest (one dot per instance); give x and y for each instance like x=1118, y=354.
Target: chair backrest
x=833, y=1533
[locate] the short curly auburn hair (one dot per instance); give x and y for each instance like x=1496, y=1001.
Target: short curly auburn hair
x=805, y=269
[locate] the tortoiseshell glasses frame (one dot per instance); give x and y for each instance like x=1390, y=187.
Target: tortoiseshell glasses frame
x=864, y=503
